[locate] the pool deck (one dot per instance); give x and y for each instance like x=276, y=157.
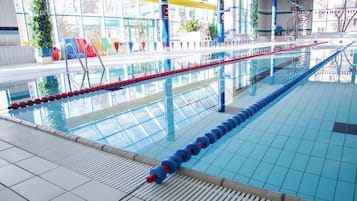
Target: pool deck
x=37, y=163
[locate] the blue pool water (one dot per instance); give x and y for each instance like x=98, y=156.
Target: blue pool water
x=290, y=147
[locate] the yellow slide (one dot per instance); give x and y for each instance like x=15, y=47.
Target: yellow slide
x=189, y=3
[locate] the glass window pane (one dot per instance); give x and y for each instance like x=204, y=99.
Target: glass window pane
x=136, y=133
x=68, y=26
x=118, y=140
x=90, y=7
x=67, y=6
x=88, y=132
x=112, y=8
x=126, y=120
x=107, y=127
x=179, y=101
x=198, y=107
x=179, y=116
x=155, y=109
x=141, y=114
x=91, y=26
x=188, y=110
x=151, y=127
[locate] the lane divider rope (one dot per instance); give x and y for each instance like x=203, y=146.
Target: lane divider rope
x=173, y=162
x=119, y=84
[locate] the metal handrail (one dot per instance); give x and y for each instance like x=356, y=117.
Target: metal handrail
x=75, y=52
x=96, y=52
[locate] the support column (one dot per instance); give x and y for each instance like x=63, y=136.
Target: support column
x=272, y=67
x=221, y=86
x=253, y=73
x=273, y=20
x=164, y=17
x=353, y=67
x=169, y=104
x=220, y=20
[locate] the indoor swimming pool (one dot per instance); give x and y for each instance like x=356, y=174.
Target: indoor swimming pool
x=303, y=143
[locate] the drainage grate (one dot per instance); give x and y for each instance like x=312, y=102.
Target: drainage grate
x=345, y=128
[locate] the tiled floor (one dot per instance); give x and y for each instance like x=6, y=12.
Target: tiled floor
x=24, y=176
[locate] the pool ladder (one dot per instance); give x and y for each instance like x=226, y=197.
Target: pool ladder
x=85, y=65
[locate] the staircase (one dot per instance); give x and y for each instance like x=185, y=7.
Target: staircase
x=298, y=20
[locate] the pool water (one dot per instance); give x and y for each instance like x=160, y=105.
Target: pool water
x=292, y=146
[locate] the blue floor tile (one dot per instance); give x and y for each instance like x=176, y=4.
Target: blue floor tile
x=298, y=132
x=272, y=155
x=305, y=147
x=267, y=139
x=292, y=180
x=315, y=123
x=213, y=170
x=334, y=152
x=285, y=158
x=272, y=187
x=285, y=130
x=241, y=178
x=256, y=183
x=223, y=159
x=337, y=139
x=234, y=146
x=309, y=184
x=347, y=172
x=274, y=127
x=344, y=191
x=351, y=141
x=315, y=165
x=292, y=144
x=311, y=134
x=279, y=142
x=319, y=150
x=326, y=188
x=248, y=168
x=262, y=172
x=246, y=148
x=299, y=162
x=349, y=155
x=277, y=176
x=235, y=163
x=227, y=174
x=323, y=137
x=330, y=169
x=258, y=152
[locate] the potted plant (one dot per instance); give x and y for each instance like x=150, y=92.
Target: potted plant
x=212, y=30
x=41, y=28
x=254, y=17
x=191, y=31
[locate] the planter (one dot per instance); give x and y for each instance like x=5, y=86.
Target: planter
x=195, y=36
x=43, y=55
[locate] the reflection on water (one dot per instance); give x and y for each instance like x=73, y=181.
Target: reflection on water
x=134, y=116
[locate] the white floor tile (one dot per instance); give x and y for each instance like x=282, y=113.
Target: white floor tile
x=14, y=154
x=65, y=178
x=93, y=191
x=36, y=165
x=68, y=197
x=11, y=175
x=8, y=195
x=38, y=189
